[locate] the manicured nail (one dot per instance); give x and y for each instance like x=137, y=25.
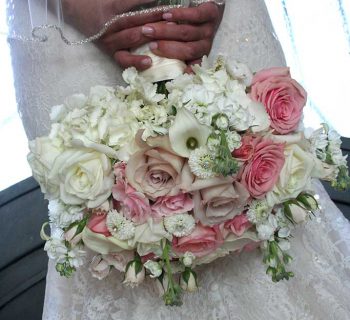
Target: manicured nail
x=147, y=30
x=146, y=62
x=167, y=16
x=153, y=45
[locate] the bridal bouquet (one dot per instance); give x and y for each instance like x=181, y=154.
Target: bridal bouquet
x=158, y=178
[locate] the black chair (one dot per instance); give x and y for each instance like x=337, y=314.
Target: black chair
x=23, y=263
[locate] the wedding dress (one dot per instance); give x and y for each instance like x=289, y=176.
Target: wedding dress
x=234, y=287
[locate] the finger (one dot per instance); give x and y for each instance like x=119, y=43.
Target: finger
x=125, y=59
x=185, y=51
x=190, y=64
x=134, y=21
x=124, y=39
x=201, y=14
x=178, y=32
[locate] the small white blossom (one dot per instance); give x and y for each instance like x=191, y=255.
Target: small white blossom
x=233, y=140
x=75, y=257
x=258, y=211
x=119, y=226
x=213, y=142
x=265, y=231
x=63, y=215
x=56, y=249
x=154, y=268
x=188, y=259
x=201, y=163
x=179, y=225
x=222, y=122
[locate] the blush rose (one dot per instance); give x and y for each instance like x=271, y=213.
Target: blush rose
x=260, y=174
x=283, y=97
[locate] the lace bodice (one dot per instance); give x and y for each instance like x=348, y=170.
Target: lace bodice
x=235, y=287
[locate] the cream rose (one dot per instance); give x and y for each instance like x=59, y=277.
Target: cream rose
x=155, y=172
x=218, y=201
x=84, y=177
x=41, y=158
x=294, y=177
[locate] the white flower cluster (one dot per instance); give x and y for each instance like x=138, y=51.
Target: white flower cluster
x=62, y=215
x=325, y=144
x=119, y=226
x=213, y=91
x=267, y=223
x=57, y=250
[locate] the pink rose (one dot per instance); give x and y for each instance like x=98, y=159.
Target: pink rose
x=283, y=97
x=238, y=225
x=261, y=172
x=97, y=223
x=202, y=241
x=246, y=150
x=156, y=172
x=134, y=204
x=167, y=206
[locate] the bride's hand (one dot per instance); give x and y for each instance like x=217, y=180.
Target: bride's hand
x=191, y=39
x=88, y=16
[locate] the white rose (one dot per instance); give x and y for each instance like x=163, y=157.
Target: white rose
x=43, y=153
x=84, y=177
x=135, y=274
x=99, y=268
x=294, y=177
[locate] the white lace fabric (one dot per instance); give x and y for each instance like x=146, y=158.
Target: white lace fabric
x=234, y=287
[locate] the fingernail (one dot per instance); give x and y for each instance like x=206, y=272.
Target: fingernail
x=146, y=62
x=171, y=23
x=153, y=45
x=167, y=16
x=147, y=30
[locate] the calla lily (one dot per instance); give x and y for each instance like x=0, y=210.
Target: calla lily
x=187, y=134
